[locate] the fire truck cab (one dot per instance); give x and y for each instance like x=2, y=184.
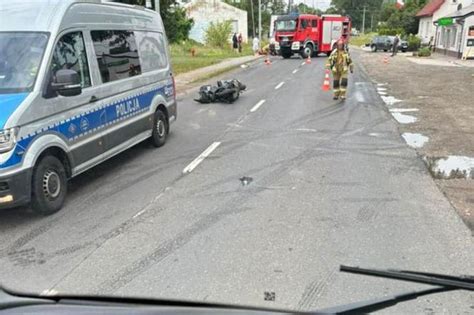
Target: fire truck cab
x=310, y=35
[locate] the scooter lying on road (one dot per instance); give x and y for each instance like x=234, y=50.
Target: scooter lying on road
x=226, y=91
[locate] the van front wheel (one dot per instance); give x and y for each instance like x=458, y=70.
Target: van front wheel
x=49, y=186
x=160, y=129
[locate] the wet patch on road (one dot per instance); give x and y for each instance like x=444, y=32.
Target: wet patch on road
x=390, y=100
x=451, y=167
x=404, y=119
x=415, y=140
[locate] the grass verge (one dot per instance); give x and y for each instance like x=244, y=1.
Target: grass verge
x=183, y=61
x=362, y=39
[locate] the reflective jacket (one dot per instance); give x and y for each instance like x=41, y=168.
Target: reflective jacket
x=345, y=62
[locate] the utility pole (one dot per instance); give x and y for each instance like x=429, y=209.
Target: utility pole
x=259, y=21
x=372, y=22
x=253, y=18
x=363, y=21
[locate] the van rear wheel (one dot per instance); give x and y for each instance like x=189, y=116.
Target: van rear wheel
x=160, y=129
x=49, y=186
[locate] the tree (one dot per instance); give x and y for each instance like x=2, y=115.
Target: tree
x=217, y=34
x=269, y=8
x=383, y=11
x=303, y=8
x=177, y=24
x=355, y=9
x=404, y=18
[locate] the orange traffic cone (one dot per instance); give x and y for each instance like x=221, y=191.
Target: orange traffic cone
x=385, y=60
x=326, y=84
x=308, y=60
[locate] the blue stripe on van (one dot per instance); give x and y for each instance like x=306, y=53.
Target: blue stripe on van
x=87, y=123
x=8, y=104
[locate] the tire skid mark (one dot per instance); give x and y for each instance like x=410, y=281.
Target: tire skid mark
x=314, y=290
x=84, y=204
x=132, y=271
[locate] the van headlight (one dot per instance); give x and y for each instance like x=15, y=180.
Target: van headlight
x=8, y=139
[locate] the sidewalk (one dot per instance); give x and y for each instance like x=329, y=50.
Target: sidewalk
x=186, y=81
x=434, y=60
x=442, y=60
x=439, y=102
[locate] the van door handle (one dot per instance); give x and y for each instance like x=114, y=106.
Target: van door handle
x=93, y=99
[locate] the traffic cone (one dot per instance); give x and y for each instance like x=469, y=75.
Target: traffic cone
x=385, y=60
x=308, y=60
x=326, y=83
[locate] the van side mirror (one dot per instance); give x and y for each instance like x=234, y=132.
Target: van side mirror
x=67, y=83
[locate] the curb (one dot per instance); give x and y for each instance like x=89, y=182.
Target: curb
x=210, y=74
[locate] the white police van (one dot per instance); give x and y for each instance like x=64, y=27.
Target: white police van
x=80, y=81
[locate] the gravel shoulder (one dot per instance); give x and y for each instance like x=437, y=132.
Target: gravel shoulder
x=443, y=93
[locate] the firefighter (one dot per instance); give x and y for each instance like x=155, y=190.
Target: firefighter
x=340, y=63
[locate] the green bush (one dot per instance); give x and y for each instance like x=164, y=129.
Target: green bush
x=424, y=52
x=390, y=31
x=217, y=34
x=414, y=42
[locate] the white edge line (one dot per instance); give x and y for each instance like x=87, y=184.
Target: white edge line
x=279, y=85
x=257, y=106
x=200, y=158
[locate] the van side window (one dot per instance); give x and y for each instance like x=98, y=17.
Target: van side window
x=117, y=54
x=152, y=50
x=314, y=23
x=70, y=53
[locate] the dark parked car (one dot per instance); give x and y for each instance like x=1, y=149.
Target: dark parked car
x=385, y=43
x=402, y=44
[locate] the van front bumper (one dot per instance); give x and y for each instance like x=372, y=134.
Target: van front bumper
x=15, y=189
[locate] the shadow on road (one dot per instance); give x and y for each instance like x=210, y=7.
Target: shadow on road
x=79, y=187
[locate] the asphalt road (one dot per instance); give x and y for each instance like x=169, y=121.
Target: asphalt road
x=331, y=183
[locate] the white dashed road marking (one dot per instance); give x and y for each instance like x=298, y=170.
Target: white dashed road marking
x=294, y=71
x=257, y=106
x=200, y=158
x=279, y=85
x=304, y=62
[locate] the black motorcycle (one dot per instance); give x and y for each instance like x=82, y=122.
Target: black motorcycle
x=226, y=91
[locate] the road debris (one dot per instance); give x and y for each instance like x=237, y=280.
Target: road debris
x=245, y=180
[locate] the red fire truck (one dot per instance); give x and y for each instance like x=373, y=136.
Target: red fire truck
x=310, y=35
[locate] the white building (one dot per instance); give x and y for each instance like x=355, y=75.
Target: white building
x=203, y=12
x=448, y=25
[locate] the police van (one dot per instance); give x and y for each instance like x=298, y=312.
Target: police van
x=80, y=81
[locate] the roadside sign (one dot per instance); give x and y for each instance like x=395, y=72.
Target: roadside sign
x=445, y=21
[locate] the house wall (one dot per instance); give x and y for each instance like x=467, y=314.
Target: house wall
x=426, y=29
x=204, y=12
x=469, y=22
x=450, y=40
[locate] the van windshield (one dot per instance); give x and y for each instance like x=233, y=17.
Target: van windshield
x=285, y=25
x=20, y=57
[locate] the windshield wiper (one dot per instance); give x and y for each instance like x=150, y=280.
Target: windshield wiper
x=444, y=283
x=456, y=282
